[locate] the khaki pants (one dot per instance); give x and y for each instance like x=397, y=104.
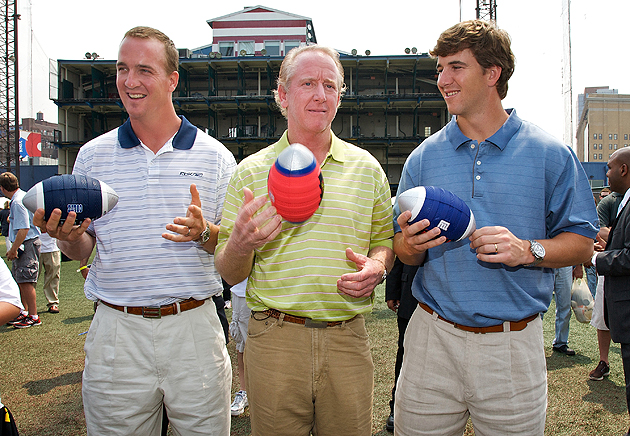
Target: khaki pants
x=302, y=380
x=51, y=262
x=498, y=379
x=134, y=365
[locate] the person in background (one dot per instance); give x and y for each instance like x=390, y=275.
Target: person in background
x=24, y=251
x=238, y=330
x=155, y=339
x=10, y=306
x=474, y=347
x=50, y=262
x=607, y=212
x=399, y=298
x=4, y=222
x=614, y=263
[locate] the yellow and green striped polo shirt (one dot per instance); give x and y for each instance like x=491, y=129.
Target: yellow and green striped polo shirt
x=297, y=272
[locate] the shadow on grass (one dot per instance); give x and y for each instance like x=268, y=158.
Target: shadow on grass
x=611, y=396
x=40, y=387
x=558, y=360
x=78, y=319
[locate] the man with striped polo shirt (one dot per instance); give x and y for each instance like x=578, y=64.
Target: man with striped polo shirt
x=307, y=360
x=155, y=339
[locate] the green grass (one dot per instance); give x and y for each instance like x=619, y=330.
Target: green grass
x=40, y=371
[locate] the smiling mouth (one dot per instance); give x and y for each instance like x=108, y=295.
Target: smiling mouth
x=451, y=93
x=136, y=96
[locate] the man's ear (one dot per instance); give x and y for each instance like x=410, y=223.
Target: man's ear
x=623, y=170
x=173, y=81
x=493, y=73
x=282, y=95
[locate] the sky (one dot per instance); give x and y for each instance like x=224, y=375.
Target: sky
x=67, y=29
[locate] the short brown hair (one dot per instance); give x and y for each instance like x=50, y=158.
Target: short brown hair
x=9, y=182
x=288, y=68
x=489, y=44
x=171, y=55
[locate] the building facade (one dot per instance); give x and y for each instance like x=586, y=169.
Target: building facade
x=604, y=123
x=392, y=103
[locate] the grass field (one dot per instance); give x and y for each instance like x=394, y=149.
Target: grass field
x=40, y=372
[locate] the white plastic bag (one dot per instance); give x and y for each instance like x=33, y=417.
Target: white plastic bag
x=582, y=301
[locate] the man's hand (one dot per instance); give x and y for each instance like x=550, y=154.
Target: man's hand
x=412, y=242
x=495, y=244
x=251, y=232
x=190, y=227
x=393, y=305
x=368, y=276
x=66, y=232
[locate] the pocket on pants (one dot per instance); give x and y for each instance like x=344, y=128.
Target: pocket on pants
x=258, y=327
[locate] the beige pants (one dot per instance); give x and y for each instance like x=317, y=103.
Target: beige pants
x=51, y=263
x=302, y=380
x=499, y=380
x=133, y=365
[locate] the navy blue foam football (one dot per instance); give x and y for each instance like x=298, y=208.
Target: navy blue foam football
x=442, y=208
x=88, y=197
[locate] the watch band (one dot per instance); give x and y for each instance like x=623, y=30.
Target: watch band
x=205, y=235
x=534, y=246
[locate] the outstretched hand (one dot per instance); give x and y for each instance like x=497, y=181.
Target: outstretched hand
x=190, y=227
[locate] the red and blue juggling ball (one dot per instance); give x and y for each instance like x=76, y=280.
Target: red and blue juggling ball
x=295, y=184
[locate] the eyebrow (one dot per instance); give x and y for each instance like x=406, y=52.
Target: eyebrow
x=454, y=62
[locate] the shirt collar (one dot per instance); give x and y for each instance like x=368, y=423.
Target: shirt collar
x=183, y=140
x=500, y=138
x=337, y=148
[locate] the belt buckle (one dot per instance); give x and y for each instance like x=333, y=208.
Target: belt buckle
x=309, y=323
x=152, y=312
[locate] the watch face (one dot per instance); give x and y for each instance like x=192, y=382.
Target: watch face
x=538, y=250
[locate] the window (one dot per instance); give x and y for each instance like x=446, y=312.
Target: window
x=427, y=131
x=600, y=156
x=226, y=48
x=273, y=48
x=246, y=48
x=594, y=135
x=594, y=156
x=615, y=146
x=600, y=136
x=600, y=146
x=615, y=135
x=609, y=146
x=610, y=136
x=288, y=45
x=625, y=136
x=594, y=146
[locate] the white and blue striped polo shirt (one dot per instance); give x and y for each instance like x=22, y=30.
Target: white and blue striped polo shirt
x=134, y=265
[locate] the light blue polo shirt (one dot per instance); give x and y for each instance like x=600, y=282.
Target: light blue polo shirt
x=520, y=178
x=21, y=218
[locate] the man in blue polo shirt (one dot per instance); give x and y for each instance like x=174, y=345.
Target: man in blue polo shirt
x=155, y=339
x=474, y=348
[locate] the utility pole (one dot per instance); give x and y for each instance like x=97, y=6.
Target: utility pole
x=487, y=10
x=567, y=77
x=9, y=115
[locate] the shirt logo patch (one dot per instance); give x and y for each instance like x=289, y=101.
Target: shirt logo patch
x=190, y=174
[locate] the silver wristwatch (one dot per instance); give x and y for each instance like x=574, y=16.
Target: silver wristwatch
x=205, y=235
x=538, y=251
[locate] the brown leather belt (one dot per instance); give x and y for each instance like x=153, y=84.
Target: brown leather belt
x=158, y=312
x=307, y=322
x=515, y=326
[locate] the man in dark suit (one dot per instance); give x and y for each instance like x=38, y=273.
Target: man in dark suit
x=614, y=263
x=399, y=298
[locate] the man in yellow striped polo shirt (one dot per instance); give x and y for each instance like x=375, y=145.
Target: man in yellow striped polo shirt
x=307, y=360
